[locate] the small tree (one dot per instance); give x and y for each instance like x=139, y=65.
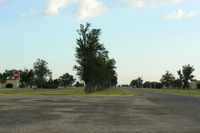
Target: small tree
x=3, y=78
x=137, y=83
x=167, y=79
x=26, y=77
x=41, y=72
x=187, y=76
x=147, y=84
x=67, y=80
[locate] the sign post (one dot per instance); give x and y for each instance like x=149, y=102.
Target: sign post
x=16, y=76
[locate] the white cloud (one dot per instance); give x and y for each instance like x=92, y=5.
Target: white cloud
x=53, y=6
x=180, y=14
x=33, y=11
x=135, y=3
x=152, y=3
x=23, y=15
x=89, y=8
x=85, y=8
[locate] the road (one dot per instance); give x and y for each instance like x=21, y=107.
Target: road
x=152, y=113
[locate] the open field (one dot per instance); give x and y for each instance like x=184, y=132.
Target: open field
x=64, y=92
x=152, y=113
x=185, y=92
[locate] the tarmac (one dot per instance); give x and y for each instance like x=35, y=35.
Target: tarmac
x=152, y=113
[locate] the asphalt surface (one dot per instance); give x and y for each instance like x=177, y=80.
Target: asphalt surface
x=152, y=113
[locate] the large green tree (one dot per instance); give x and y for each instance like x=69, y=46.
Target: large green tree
x=94, y=66
x=41, y=72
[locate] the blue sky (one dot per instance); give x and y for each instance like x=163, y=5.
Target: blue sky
x=146, y=37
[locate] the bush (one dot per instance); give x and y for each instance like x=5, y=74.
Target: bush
x=9, y=86
x=51, y=84
x=158, y=86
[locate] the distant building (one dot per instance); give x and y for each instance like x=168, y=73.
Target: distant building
x=14, y=82
x=195, y=84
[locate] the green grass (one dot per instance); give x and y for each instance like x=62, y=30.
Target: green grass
x=30, y=89
x=186, y=92
x=70, y=92
x=15, y=89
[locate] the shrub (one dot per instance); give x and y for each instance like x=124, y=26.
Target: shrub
x=9, y=86
x=158, y=85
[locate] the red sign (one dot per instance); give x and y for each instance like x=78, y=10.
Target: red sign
x=16, y=75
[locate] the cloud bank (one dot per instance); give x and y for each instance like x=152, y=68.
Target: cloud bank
x=85, y=8
x=152, y=3
x=180, y=14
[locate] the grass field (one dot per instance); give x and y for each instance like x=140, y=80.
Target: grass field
x=30, y=89
x=64, y=92
x=186, y=92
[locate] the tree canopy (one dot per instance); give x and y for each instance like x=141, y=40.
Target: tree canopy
x=94, y=66
x=66, y=80
x=167, y=79
x=41, y=72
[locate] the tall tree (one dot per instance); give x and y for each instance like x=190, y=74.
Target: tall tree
x=94, y=66
x=167, y=79
x=41, y=72
x=66, y=80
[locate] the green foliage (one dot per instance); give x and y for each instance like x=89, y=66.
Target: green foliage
x=167, y=79
x=51, y=84
x=9, y=73
x=186, y=75
x=137, y=83
x=66, y=80
x=78, y=84
x=26, y=78
x=155, y=85
x=147, y=84
x=3, y=78
x=41, y=72
x=94, y=66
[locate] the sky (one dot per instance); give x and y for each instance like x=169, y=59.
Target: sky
x=145, y=37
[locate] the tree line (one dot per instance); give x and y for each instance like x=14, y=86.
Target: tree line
x=94, y=67
x=40, y=76
x=168, y=80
